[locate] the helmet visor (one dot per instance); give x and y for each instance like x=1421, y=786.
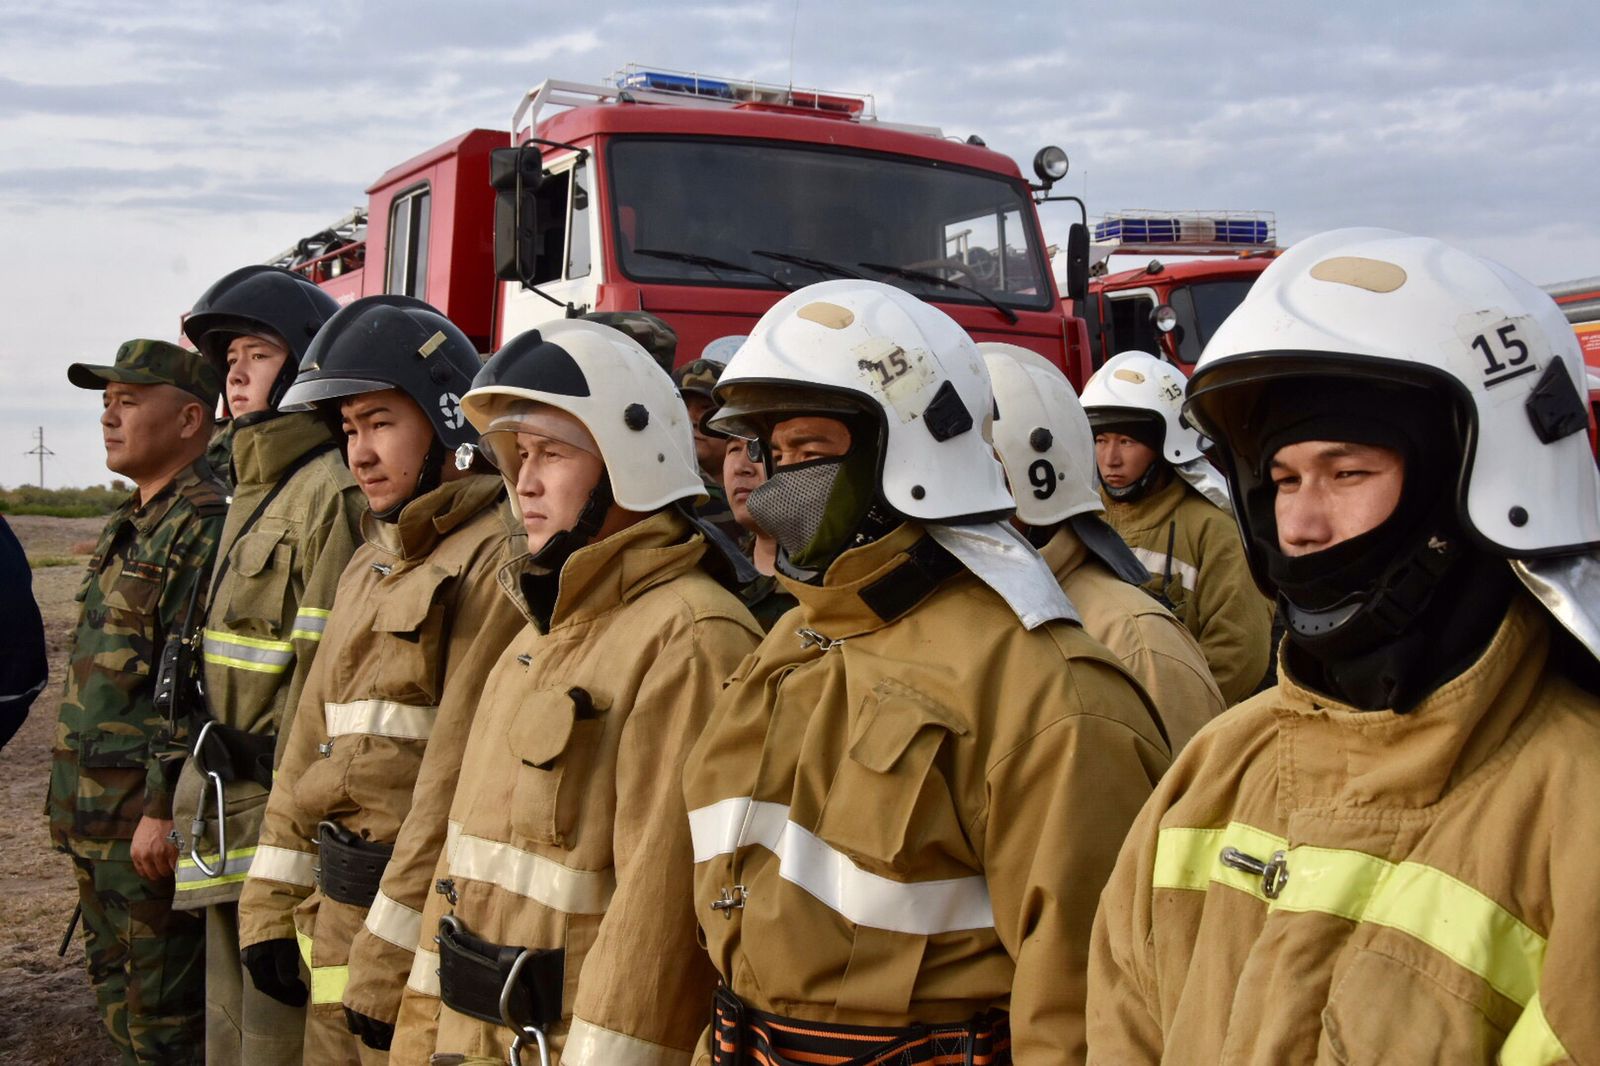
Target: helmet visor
x=306, y=395
x=505, y=441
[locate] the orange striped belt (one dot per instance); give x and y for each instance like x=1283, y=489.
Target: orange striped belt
x=743, y=1036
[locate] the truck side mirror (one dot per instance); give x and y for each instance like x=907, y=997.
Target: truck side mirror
x=1078, y=265
x=516, y=174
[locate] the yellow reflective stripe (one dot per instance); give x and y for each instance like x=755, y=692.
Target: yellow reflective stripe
x=327, y=982
x=305, y=634
x=315, y=612
x=240, y=664
x=309, y=622
x=1188, y=858
x=249, y=642
x=190, y=878
x=1531, y=1041
x=1443, y=912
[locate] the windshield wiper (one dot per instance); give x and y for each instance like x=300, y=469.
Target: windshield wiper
x=710, y=263
x=821, y=266
x=933, y=279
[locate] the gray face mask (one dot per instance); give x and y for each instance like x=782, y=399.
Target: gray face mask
x=792, y=504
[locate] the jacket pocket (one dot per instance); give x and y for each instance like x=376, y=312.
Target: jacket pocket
x=889, y=802
x=554, y=736
x=111, y=781
x=1384, y=1010
x=261, y=567
x=408, y=628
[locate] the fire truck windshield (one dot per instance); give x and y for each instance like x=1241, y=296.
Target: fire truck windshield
x=780, y=215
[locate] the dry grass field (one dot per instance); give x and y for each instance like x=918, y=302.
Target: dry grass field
x=46, y=1010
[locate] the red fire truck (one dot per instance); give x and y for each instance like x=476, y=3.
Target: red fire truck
x=1173, y=307
x=701, y=200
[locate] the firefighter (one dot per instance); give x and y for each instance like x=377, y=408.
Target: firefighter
x=695, y=380
x=345, y=848
x=115, y=760
x=1045, y=443
x=1388, y=857
x=292, y=525
x=563, y=914
x=743, y=471
x=1171, y=507
x=906, y=801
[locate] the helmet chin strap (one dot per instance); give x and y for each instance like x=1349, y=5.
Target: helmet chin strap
x=431, y=477
x=553, y=556
x=1146, y=483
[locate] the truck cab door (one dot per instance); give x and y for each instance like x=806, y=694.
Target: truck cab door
x=566, y=268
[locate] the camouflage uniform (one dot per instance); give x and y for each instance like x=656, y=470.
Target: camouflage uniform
x=219, y=453
x=653, y=335
x=115, y=756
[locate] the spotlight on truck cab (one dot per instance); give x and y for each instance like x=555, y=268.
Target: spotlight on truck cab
x=1050, y=163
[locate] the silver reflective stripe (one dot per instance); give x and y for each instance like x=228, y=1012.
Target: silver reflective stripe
x=424, y=976
x=283, y=864
x=1157, y=564
x=920, y=907
x=310, y=623
x=529, y=875
x=249, y=653
x=384, y=718
x=590, y=1045
x=394, y=922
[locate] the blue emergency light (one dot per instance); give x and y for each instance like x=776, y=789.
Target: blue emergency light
x=687, y=84
x=1179, y=229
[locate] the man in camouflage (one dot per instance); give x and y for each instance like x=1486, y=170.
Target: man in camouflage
x=695, y=380
x=115, y=759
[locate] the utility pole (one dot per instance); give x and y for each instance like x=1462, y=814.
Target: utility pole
x=41, y=451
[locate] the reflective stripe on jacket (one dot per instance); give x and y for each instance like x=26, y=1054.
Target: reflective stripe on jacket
x=910, y=820
x=1439, y=903
x=264, y=625
x=1157, y=649
x=1205, y=576
x=417, y=622
x=568, y=828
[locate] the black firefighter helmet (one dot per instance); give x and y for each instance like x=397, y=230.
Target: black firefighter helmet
x=255, y=301
x=391, y=342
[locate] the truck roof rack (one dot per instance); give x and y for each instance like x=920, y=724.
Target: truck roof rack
x=322, y=255
x=1187, y=233
x=677, y=88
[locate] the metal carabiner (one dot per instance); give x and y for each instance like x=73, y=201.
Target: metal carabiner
x=197, y=827
x=1274, y=873
x=523, y=1032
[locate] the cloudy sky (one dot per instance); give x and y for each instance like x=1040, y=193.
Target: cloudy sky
x=147, y=148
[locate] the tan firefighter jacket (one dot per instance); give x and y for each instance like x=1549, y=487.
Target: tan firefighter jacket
x=568, y=829
x=1155, y=647
x=912, y=819
x=1204, y=576
x=1438, y=899
x=265, y=623
x=417, y=624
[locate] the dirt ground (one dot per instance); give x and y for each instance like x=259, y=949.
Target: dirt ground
x=46, y=1010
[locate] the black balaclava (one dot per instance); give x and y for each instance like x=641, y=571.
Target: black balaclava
x=1152, y=433
x=819, y=509
x=541, y=587
x=1380, y=620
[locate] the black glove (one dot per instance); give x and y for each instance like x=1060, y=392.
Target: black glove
x=373, y=1033
x=274, y=966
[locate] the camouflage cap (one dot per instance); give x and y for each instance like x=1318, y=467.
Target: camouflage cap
x=153, y=363
x=699, y=376
x=651, y=333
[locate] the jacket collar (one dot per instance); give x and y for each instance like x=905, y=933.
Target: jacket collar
x=600, y=576
x=429, y=518
x=1337, y=753
x=835, y=608
x=262, y=451
x=146, y=518
x=1064, y=552
x=1154, y=510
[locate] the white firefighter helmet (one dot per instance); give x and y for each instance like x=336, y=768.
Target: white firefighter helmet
x=1376, y=304
x=866, y=348
x=1042, y=436
x=1383, y=307
x=1134, y=385
x=609, y=383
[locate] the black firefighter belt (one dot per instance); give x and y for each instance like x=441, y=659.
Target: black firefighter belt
x=349, y=869
x=509, y=985
x=744, y=1036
